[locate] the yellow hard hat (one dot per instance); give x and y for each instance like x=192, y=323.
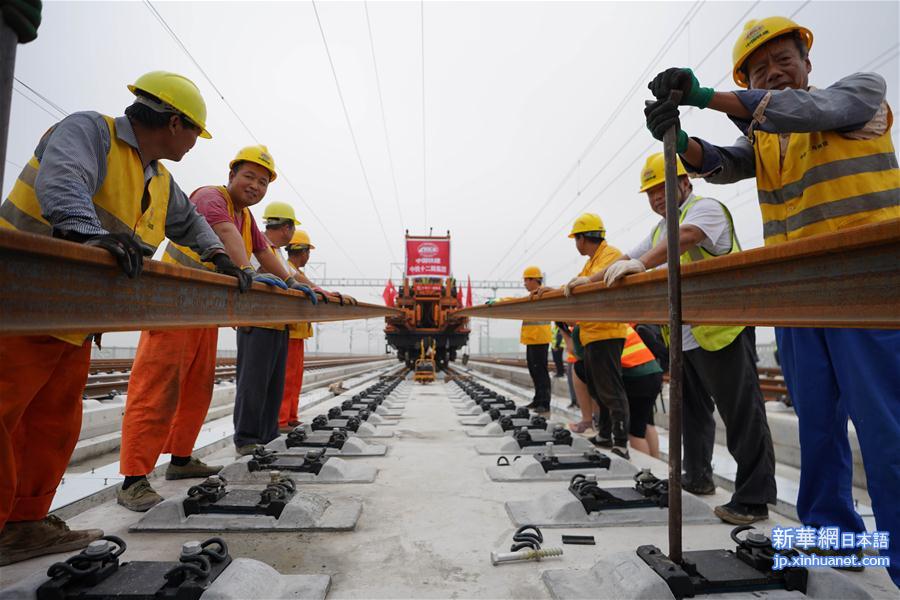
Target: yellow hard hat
x=532, y=272
x=280, y=210
x=300, y=241
x=758, y=32
x=654, y=171
x=259, y=155
x=177, y=91
x=587, y=222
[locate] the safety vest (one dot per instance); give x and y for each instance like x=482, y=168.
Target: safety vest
x=594, y=332
x=635, y=353
x=535, y=332
x=827, y=183
x=300, y=331
x=182, y=255
x=118, y=203
x=710, y=337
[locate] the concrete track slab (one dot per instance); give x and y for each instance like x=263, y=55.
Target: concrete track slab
x=353, y=446
x=560, y=508
x=528, y=468
x=511, y=446
x=366, y=429
x=334, y=470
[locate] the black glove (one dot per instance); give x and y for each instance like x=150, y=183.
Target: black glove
x=226, y=266
x=23, y=17
x=129, y=252
x=662, y=115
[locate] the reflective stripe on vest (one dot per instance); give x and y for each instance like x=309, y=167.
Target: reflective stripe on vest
x=826, y=183
x=710, y=337
x=635, y=353
x=182, y=255
x=535, y=332
x=117, y=203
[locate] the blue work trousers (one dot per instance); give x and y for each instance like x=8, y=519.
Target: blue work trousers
x=832, y=374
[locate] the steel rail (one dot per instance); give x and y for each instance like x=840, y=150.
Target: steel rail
x=845, y=279
x=53, y=286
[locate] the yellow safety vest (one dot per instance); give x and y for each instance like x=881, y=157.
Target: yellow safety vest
x=117, y=203
x=535, y=332
x=594, y=332
x=710, y=337
x=182, y=255
x=827, y=183
x=301, y=330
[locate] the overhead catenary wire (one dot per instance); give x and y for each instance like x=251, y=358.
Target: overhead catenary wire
x=387, y=139
x=47, y=100
x=359, y=158
x=161, y=20
x=424, y=136
x=53, y=116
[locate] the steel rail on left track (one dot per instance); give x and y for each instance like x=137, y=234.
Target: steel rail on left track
x=53, y=286
x=845, y=279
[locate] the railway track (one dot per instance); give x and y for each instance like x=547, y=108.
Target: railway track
x=109, y=376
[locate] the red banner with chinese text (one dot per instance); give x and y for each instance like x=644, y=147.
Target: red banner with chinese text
x=427, y=257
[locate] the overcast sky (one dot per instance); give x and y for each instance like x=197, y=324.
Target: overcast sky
x=515, y=95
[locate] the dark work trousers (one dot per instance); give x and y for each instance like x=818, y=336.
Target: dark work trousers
x=536, y=357
x=261, y=360
x=729, y=375
x=603, y=367
x=558, y=361
x=698, y=430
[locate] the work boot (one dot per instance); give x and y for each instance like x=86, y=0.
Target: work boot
x=195, y=468
x=600, y=441
x=621, y=451
x=139, y=497
x=246, y=449
x=291, y=425
x=21, y=540
x=699, y=489
x=533, y=405
x=738, y=513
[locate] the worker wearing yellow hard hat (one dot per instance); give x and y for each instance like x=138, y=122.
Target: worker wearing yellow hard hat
x=603, y=342
x=536, y=338
x=718, y=360
x=824, y=161
x=94, y=179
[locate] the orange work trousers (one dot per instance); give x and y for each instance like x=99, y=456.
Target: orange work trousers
x=169, y=393
x=41, y=384
x=293, y=383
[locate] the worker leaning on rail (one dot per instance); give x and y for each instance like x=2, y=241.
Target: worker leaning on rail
x=173, y=375
x=719, y=362
x=603, y=342
x=298, y=250
x=823, y=161
x=95, y=180
x=536, y=338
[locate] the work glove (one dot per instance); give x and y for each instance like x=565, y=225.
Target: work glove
x=322, y=294
x=620, y=269
x=685, y=81
x=296, y=285
x=490, y=301
x=344, y=299
x=129, y=252
x=226, y=266
x=574, y=283
x=661, y=115
x=23, y=17
x=266, y=278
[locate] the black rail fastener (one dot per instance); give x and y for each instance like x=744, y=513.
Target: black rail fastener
x=579, y=540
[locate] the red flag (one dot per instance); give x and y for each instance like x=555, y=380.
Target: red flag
x=469, y=292
x=389, y=294
x=459, y=296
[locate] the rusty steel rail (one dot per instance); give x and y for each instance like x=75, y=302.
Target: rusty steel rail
x=845, y=279
x=52, y=286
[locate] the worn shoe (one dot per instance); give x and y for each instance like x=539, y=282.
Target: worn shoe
x=621, y=451
x=542, y=409
x=246, y=450
x=532, y=405
x=140, y=497
x=195, y=468
x=581, y=426
x=699, y=489
x=21, y=540
x=738, y=513
x=600, y=442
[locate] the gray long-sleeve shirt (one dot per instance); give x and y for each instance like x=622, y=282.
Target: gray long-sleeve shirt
x=846, y=106
x=73, y=168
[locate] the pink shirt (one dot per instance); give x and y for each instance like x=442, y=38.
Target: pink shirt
x=211, y=204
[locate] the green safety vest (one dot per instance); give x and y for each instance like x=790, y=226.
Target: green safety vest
x=710, y=337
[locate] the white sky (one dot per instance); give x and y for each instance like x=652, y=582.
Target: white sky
x=514, y=94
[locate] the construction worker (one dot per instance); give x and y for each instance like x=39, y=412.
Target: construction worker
x=536, y=338
x=824, y=161
x=556, y=350
x=173, y=375
x=603, y=342
x=94, y=180
x=642, y=377
x=298, y=255
x=719, y=360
